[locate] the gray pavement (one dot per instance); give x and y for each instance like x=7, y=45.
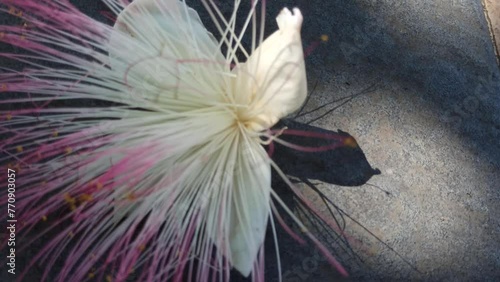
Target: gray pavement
x=428, y=116
x=423, y=102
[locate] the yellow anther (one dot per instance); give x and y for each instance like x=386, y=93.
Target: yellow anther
x=68, y=150
x=141, y=247
x=55, y=133
x=324, y=37
x=71, y=234
x=19, y=149
x=8, y=116
x=108, y=278
x=13, y=11
x=91, y=275
x=69, y=199
x=44, y=218
x=131, y=196
x=85, y=197
x=350, y=142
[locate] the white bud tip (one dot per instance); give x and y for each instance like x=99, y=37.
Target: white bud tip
x=287, y=20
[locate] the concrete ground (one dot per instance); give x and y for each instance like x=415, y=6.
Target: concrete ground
x=417, y=84
x=424, y=106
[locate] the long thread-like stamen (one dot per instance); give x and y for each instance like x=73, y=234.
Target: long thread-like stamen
x=138, y=145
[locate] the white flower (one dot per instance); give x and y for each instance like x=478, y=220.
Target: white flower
x=170, y=171
x=189, y=68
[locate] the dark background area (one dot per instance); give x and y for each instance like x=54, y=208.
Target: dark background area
x=416, y=83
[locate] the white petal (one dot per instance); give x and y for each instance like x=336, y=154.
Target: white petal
x=250, y=207
x=162, y=46
x=167, y=26
x=275, y=72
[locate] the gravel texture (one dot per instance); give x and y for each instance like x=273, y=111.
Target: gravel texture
x=424, y=107
x=417, y=84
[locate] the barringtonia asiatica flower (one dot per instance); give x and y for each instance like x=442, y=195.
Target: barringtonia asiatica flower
x=138, y=146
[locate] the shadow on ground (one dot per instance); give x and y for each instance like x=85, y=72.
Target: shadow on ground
x=430, y=122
